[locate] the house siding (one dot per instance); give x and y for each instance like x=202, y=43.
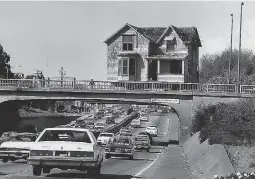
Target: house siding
x=141, y=46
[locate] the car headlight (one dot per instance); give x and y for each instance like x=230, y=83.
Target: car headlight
x=107, y=149
x=128, y=150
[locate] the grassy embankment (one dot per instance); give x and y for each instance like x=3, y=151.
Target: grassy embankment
x=231, y=125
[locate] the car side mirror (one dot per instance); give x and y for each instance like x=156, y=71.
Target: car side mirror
x=99, y=143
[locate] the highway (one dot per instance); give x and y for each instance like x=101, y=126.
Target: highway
x=143, y=164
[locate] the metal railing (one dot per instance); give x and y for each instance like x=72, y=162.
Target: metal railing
x=85, y=85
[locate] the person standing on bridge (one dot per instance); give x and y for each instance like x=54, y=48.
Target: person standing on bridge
x=92, y=83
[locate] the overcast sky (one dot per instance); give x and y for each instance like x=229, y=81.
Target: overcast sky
x=71, y=34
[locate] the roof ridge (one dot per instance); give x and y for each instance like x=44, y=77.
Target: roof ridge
x=152, y=27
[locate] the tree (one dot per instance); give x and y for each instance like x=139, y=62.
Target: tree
x=4, y=63
x=215, y=67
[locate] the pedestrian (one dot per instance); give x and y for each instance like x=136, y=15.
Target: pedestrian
x=92, y=83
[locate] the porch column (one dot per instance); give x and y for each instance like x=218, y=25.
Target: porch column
x=158, y=66
x=183, y=67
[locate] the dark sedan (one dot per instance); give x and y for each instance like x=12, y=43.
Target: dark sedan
x=148, y=134
x=120, y=146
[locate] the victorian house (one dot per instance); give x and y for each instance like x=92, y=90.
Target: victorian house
x=169, y=54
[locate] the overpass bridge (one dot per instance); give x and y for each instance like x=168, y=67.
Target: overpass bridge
x=183, y=97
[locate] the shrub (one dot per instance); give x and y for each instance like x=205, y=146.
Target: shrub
x=226, y=123
x=238, y=175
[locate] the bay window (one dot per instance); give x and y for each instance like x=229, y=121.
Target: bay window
x=127, y=66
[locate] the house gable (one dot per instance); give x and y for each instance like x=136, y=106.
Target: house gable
x=126, y=29
x=188, y=35
x=171, y=34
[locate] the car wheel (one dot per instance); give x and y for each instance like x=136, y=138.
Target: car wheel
x=107, y=156
x=37, y=170
x=13, y=159
x=148, y=150
x=5, y=160
x=131, y=157
x=46, y=170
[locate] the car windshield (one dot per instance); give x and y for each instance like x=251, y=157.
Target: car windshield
x=7, y=134
x=24, y=138
x=106, y=135
x=126, y=134
x=124, y=141
x=141, y=138
x=65, y=135
x=125, y=130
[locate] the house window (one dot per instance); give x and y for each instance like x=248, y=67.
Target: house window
x=123, y=66
x=127, y=42
x=171, y=45
x=132, y=66
x=127, y=66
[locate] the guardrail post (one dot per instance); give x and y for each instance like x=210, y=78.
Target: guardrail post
x=180, y=87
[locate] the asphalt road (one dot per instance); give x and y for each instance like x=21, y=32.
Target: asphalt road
x=113, y=168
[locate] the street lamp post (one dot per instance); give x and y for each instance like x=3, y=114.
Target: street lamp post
x=230, y=58
x=239, y=52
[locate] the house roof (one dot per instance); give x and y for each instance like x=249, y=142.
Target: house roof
x=153, y=34
x=189, y=35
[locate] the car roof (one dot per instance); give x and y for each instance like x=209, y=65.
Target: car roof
x=107, y=133
x=68, y=129
x=140, y=135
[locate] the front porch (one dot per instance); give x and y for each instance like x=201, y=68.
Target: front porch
x=166, y=70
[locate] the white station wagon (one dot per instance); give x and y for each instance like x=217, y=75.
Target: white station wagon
x=66, y=148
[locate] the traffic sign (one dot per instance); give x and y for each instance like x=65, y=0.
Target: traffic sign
x=165, y=101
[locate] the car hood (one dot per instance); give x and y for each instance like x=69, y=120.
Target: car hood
x=24, y=145
x=63, y=145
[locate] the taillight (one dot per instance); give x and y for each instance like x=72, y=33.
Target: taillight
x=41, y=153
x=81, y=154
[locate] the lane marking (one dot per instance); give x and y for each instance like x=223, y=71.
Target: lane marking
x=148, y=166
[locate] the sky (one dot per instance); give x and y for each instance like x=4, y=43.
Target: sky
x=50, y=35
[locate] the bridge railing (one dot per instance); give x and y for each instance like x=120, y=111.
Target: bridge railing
x=84, y=85
x=247, y=89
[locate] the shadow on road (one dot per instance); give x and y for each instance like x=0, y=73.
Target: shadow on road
x=85, y=176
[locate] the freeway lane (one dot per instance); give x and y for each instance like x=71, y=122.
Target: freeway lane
x=111, y=169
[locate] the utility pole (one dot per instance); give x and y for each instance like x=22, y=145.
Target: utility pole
x=62, y=74
x=239, y=53
x=230, y=58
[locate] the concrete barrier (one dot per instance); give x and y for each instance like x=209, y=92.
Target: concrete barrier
x=123, y=123
x=209, y=159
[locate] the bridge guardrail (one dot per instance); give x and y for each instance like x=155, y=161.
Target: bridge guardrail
x=84, y=85
x=247, y=89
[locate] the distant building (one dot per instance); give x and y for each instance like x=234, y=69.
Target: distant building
x=153, y=53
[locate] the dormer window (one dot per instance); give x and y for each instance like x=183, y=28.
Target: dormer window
x=127, y=42
x=171, y=45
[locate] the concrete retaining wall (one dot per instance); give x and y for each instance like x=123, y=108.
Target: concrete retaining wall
x=209, y=159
